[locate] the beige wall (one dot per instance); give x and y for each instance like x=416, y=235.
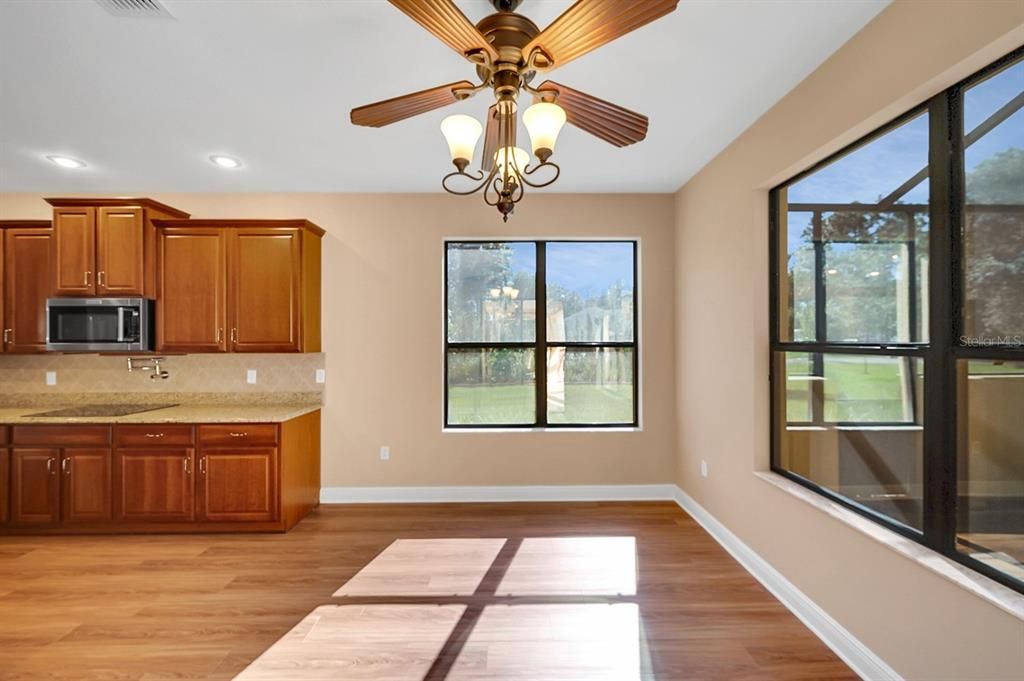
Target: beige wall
x=923, y=625
x=382, y=334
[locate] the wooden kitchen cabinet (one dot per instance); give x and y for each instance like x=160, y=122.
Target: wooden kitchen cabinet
x=154, y=484
x=74, y=251
x=26, y=283
x=35, y=486
x=85, y=486
x=140, y=478
x=106, y=247
x=238, y=484
x=191, y=310
x=5, y=477
x=238, y=286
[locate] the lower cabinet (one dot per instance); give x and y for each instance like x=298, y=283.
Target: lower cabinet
x=238, y=484
x=85, y=486
x=159, y=478
x=154, y=484
x=5, y=485
x=35, y=487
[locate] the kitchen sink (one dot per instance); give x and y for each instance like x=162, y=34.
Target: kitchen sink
x=102, y=410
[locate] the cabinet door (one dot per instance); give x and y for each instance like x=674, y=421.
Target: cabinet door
x=86, y=490
x=238, y=484
x=5, y=486
x=35, y=487
x=154, y=484
x=74, y=251
x=28, y=280
x=264, y=289
x=119, y=251
x=192, y=296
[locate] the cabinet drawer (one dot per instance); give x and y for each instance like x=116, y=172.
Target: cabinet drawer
x=61, y=436
x=238, y=434
x=158, y=434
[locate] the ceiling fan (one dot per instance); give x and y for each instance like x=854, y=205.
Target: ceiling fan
x=509, y=51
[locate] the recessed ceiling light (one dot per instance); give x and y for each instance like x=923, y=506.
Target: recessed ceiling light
x=222, y=161
x=66, y=161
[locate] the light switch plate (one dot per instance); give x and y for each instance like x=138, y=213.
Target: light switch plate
x=321, y=375
x=250, y=375
x=385, y=453
x=704, y=468
x=51, y=378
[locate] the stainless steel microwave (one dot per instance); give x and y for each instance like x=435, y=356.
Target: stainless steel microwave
x=99, y=324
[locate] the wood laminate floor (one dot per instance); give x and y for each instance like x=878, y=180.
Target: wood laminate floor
x=464, y=592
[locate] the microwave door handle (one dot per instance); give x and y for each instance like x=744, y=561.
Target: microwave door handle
x=120, y=324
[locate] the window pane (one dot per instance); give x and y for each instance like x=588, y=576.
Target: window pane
x=799, y=377
x=868, y=388
x=994, y=211
x=492, y=292
x=990, y=510
x=491, y=387
x=590, y=385
x=590, y=291
x=856, y=244
x=878, y=466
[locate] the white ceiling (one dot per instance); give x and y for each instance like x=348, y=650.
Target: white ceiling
x=145, y=101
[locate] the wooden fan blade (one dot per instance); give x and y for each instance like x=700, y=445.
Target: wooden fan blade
x=448, y=24
x=490, y=139
x=383, y=113
x=492, y=135
x=589, y=24
x=611, y=122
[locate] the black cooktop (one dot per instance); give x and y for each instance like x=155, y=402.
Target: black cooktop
x=103, y=410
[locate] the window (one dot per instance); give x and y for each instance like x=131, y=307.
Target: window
x=897, y=286
x=540, y=334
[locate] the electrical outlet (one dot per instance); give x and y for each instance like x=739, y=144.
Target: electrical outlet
x=51, y=378
x=385, y=453
x=321, y=375
x=703, y=468
x=250, y=375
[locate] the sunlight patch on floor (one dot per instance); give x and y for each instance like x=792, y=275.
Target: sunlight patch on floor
x=572, y=566
x=356, y=642
x=425, y=567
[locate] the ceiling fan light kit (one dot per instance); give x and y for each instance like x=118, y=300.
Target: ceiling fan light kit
x=508, y=51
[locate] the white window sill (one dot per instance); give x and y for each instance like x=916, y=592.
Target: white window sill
x=995, y=593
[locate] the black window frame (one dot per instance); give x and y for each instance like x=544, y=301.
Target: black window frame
x=945, y=345
x=541, y=344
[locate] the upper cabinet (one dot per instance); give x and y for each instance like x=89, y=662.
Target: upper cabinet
x=26, y=280
x=106, y=247
x=238, y=286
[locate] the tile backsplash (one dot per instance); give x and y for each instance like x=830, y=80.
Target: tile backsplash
x=212, y=373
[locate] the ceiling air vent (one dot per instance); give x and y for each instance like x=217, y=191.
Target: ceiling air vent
x=135, y=8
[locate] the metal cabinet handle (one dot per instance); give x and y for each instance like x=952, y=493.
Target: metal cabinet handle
x=184, y=463
x=243, y=434
x=234, y=335
x=202, y=465
x=220, y=335
x=99, y=278
x=154, y=434
x=7, y=335
x=49, y=465
x=65, y=465
x=87, y=275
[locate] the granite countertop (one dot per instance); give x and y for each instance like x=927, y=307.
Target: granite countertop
x=182, y=413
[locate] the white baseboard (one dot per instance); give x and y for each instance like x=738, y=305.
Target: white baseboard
x=859, y=657
x=419, y=495
x=854, y=653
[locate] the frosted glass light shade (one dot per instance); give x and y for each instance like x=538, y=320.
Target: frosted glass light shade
x=544, y=121
x=518, y=157
x=461, y=132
